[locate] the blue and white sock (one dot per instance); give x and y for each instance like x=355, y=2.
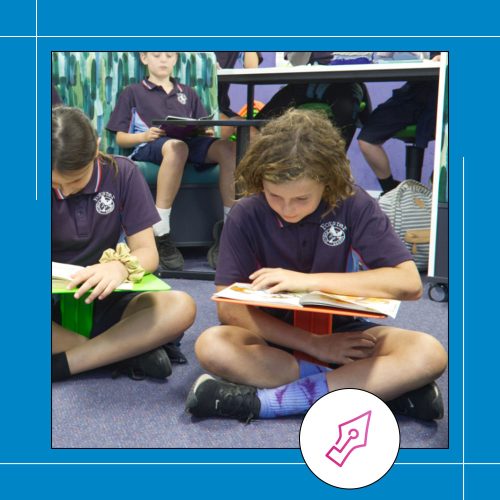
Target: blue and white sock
x=307, y=368
x=294, y=398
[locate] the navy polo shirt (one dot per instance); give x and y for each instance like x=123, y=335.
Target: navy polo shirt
x=254, y=236
x=87, y=223
x=141, y=103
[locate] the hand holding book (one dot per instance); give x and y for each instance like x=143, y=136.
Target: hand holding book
x=102, y=279
x=179, y=127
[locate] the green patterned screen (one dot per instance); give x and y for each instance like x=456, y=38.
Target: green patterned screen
x=92, y=81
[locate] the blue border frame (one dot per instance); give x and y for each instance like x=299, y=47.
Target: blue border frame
x=25, y=433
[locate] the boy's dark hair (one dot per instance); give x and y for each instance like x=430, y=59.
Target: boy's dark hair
x=298, y=144
x=74, y=140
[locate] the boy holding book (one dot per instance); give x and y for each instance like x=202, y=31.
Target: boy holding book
x=296, y=229
x=158, y=96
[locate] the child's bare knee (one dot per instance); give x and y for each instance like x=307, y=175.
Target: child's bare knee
x=432, y=356
x=210, y=348
x=182, y=307
x=175, y=147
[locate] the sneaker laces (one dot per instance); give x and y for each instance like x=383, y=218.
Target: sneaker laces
x=236, y=402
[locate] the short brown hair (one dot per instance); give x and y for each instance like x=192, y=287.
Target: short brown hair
x=300, y=143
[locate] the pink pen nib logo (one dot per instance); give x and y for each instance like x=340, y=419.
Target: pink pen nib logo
x=352, y=434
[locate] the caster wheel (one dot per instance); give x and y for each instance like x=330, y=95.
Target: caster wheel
x=438, y=292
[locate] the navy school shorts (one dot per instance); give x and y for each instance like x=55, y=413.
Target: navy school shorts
x=340, y=323
x=106, y=312
x=412, y=104
x=198, y=148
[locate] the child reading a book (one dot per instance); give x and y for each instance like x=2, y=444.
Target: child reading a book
x=157, y=97
x=96, y=198
x=296, y=229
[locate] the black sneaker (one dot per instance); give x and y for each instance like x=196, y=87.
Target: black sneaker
x=425, y=403
x=175, y=354
x=154, y=364
x=173, y=350
x=210, y=397
x=170, y=256
x=213, y=251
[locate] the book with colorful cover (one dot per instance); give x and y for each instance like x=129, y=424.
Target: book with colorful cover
x=297, y=300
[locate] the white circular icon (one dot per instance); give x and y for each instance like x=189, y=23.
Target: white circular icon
x=349, y=438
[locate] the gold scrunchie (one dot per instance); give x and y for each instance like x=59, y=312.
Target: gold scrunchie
x=122, y=253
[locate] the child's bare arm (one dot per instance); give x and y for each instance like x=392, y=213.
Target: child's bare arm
x=401, y=282
x=142, y=245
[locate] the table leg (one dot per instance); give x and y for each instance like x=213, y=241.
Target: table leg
x=318, y=323
x=250, y=99
x=242, y=141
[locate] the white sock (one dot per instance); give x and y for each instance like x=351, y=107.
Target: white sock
x=162, y=227
x=226, y=211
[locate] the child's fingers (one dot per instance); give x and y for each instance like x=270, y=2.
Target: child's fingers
x=108, y=290
x=260, y=272
x=265, y=283
x=79, y=277
x=279, y=287
x=96, y=292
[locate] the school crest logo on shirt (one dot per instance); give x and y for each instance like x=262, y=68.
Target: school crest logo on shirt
x=334, y=233
x=181, y=97
x=104, y=203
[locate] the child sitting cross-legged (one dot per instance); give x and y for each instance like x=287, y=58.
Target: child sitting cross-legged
x=95, y=199
x=294, y=230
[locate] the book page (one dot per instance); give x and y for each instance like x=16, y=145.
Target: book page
x=244, y=292
x=64, y=271
x=62, y=275
x=389, y=307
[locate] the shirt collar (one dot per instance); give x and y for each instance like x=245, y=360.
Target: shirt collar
x=152, y=86
x=92, y=186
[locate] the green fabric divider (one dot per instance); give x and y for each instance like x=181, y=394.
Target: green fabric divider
x=92, y=82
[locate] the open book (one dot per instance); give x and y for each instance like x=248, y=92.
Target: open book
x=179, y=131
x=244, y=293
x=61, y=277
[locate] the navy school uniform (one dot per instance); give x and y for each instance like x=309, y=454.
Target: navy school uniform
x=141, y=103
x=87, y=223
x=325, y=241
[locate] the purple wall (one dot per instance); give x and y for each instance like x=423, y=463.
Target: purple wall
x=379, y=92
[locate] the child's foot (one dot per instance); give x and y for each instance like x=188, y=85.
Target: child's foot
x=170, y=256
x=210, y=397
x=154, y=364
x=213, y=251
x=425, y=403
